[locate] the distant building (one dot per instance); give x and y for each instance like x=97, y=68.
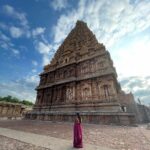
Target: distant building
x=142, y=112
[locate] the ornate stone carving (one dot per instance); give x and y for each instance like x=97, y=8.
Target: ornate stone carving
x=69, y=94
x=83, y=61
x=86, y=91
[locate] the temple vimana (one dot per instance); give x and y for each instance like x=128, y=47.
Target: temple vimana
x=81, y=78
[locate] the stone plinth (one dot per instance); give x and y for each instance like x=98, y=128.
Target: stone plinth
x=87, y=117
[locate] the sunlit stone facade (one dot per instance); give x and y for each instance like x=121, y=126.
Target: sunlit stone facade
x=80, y=78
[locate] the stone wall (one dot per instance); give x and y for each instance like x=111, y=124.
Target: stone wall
x=93, y=67
x=141, y=112
x=96, y=90
x=127, y=100
x=10, y=110
x=144, y=113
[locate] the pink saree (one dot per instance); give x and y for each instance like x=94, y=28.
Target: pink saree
x=77, y=142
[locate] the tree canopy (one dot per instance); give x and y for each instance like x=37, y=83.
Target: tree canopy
x=15, y=100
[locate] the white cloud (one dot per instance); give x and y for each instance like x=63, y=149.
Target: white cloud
x=38, y=31
x=45, y=49
x=3, y=26
x=59, y=4
x=21, y=21
x=139, y=86
x=34, y=63
x=109, y=21
x=34, y=70
x=4, y=37
x=32, y=79
x=46, y=59
x=5, y=43
x=16, y=32
x=21, y=89
x=133, y=58
x=16, y=52
x=64, y=25
x=10, y=11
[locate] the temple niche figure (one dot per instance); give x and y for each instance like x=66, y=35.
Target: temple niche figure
x=69, y=94
x=80, y=78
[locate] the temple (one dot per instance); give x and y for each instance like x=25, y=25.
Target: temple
x=81, y=78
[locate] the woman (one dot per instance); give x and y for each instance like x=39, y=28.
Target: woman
x=77, y=142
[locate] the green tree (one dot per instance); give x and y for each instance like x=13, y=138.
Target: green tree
x=15, y=100
x=25, y=102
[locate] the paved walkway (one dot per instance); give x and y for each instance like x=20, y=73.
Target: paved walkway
x=44, y=141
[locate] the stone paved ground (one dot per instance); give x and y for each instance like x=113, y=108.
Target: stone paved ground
x=11, y=144
x=116, y=137
x=45, y=141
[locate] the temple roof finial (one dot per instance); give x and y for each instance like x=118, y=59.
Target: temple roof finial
x=80, y=22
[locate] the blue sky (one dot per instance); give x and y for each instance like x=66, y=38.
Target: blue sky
x=31, y=31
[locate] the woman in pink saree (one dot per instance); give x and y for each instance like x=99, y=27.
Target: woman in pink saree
x=77, y=142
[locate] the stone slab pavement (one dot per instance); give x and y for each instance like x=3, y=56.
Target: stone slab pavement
x=51, y=143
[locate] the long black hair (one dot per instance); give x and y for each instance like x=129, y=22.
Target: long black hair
x=79, y=117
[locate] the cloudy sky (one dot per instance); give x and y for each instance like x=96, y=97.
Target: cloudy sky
x=31, y=31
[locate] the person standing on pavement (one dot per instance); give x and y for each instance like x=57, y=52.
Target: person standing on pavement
x=77, y=141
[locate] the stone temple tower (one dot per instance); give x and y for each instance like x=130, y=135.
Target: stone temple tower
x=80, y=78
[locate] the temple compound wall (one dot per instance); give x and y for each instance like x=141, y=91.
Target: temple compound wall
x=143, y=113
x=128, y=104
x=80, y=78
x=10, y=110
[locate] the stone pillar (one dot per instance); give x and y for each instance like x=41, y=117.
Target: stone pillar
x=75, y=94
x=7, y=109
x=36, y=102
x=10, y=110
x=54, y=95
x=73, y=90
x=78, y=92
x=1, y=109
x=94, y=88
x=64, y=93
x=42, y=98
x=4, y=112
x=49, y=96
x=14, y=111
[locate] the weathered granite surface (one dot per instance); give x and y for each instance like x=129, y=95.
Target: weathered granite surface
x=80, y=77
